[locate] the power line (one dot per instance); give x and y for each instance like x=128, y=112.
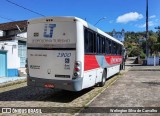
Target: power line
x=25, y=8
x=7, y=18
x=12, y=21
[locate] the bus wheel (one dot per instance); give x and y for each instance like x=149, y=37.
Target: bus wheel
x=102, y=83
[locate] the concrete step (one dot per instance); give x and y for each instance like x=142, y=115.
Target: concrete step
x=22, y=72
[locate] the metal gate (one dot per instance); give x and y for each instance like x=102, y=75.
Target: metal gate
x=3, y=63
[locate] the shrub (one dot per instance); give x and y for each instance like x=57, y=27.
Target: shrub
x=136, y=52
x=142, y=55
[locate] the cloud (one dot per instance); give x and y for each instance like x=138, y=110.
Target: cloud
x=153, y=16
x=156, y=20
x=132, y=16
x=150, y=24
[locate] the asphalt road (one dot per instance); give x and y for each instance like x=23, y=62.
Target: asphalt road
x=138, y=88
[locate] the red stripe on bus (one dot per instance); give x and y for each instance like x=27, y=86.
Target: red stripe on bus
x=90, y=62
x=111, y=60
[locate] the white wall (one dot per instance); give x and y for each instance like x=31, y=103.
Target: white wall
x=13, y=61
x=23, y=35
x=2, y=33
x=153, y=60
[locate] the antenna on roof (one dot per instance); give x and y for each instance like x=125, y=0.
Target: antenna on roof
x=18, y=28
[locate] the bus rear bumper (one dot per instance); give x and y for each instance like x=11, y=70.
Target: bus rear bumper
x=71, y=85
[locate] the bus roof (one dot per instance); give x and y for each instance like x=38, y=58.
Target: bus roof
x=71, y=18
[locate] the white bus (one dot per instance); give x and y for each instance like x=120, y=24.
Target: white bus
x=70, y=54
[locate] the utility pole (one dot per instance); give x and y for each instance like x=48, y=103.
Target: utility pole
x=147, y=34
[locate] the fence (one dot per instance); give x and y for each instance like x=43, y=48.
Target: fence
x=153, y=60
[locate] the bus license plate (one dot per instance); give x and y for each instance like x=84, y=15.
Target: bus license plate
x=47, y=85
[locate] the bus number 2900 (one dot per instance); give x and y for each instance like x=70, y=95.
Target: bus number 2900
x=64, y=55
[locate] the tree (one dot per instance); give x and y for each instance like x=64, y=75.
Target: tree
x=151, y=44
x=158, y=34
x=135, y=51
x=156, y=47
x=132, y=42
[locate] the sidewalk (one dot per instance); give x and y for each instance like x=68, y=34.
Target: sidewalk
x=139, y=87
x=145, y=68
x=9, y=80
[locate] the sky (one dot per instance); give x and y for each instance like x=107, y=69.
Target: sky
x=129, y=15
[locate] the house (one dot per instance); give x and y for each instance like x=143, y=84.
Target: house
x=119, y=35
x=13, y=37
x=141, y=40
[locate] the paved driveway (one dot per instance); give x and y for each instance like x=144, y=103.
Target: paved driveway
x=139, y=87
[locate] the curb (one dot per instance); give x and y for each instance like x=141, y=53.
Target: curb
x=114, y=79
x=12, y=83
x=144, y=70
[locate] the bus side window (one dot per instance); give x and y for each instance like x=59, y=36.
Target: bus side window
x=90, y=41
x=110, y=47
x=86, y=44
x=100, y=44
x=97, y=43
x=119, y=49
x=103, y=45
x=116, y=49
x=113, y=48
x=94, y=42
x=106, y=46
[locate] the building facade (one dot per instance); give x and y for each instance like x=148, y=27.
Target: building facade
x=13, y=37
x=119, y=35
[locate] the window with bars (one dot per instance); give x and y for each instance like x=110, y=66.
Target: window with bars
x=22, y=52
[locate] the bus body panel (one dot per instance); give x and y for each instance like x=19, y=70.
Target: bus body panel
x=51, y=56
x=71, y=85
x=80, y=45
x=113, y=70
x=94, y=66
x=89, y=79
x=104, y=61
x=52, y=34
x=51, y=49
x=92, y=77
x=51, y=64
x=55, y=44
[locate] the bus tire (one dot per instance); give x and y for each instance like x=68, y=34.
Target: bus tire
x=102, y=83
x=122, y=66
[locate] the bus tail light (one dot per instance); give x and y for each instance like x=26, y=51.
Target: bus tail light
x=77, y=69
x=77, y=63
